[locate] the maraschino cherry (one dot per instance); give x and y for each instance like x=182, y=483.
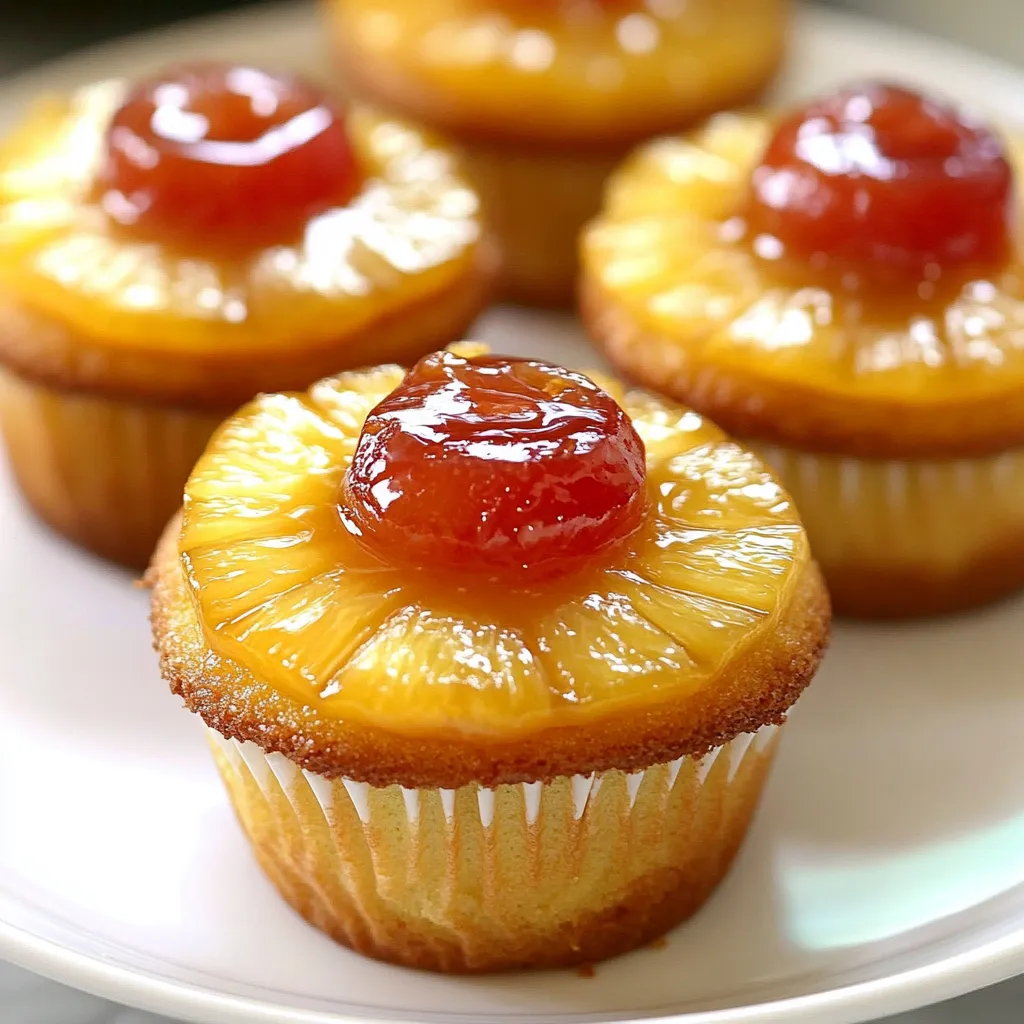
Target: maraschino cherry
x=887, y=182
x=220, y=154
x=496, y=466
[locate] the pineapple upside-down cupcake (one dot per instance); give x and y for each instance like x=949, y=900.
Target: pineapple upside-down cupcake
x=168, y=251
x=543, y=99
x=842, y=288
x=492, y=665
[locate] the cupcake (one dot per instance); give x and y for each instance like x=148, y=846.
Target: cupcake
x=544, y=99
x=170, y=250
x=492, y=665
x=842, y=288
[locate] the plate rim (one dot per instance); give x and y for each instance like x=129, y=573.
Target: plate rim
x=945, y=978
x=989, y=964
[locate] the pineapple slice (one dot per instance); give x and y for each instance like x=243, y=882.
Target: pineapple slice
x=670, y=254
x=532, y=71
x=283, y=589
x=411, y=232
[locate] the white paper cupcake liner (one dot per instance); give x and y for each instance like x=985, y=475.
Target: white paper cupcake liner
x=935, y=513
x=108, y=474
x=274, y=772
x=477, y=878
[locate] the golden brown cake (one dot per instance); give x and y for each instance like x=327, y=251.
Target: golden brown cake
x=492, y=664
x=543, y=99
x=169, y=250
x=842, y=287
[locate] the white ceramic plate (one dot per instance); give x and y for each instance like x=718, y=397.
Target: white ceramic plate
x=886, y=869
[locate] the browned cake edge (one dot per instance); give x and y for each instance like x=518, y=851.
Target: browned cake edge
x=43, y=349
x=755, y=689
x=791, y=413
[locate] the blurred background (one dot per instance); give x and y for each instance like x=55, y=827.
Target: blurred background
x=32, y=32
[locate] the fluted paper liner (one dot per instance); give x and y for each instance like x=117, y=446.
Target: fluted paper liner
x=911, y=535
x=477, y=879
x=537, y=202
x=108, y=474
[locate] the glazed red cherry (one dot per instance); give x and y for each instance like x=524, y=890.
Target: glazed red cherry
x=885, y=180
x=496, y=466
x=223, y=154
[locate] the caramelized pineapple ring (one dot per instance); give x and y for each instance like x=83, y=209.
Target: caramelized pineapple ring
x=410, y=233
x=771, y=348
x=562, y=71
x=286, y=593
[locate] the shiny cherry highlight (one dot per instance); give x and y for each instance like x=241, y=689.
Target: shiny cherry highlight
x=496, y=466
x=885, y=181
x=219, y=154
